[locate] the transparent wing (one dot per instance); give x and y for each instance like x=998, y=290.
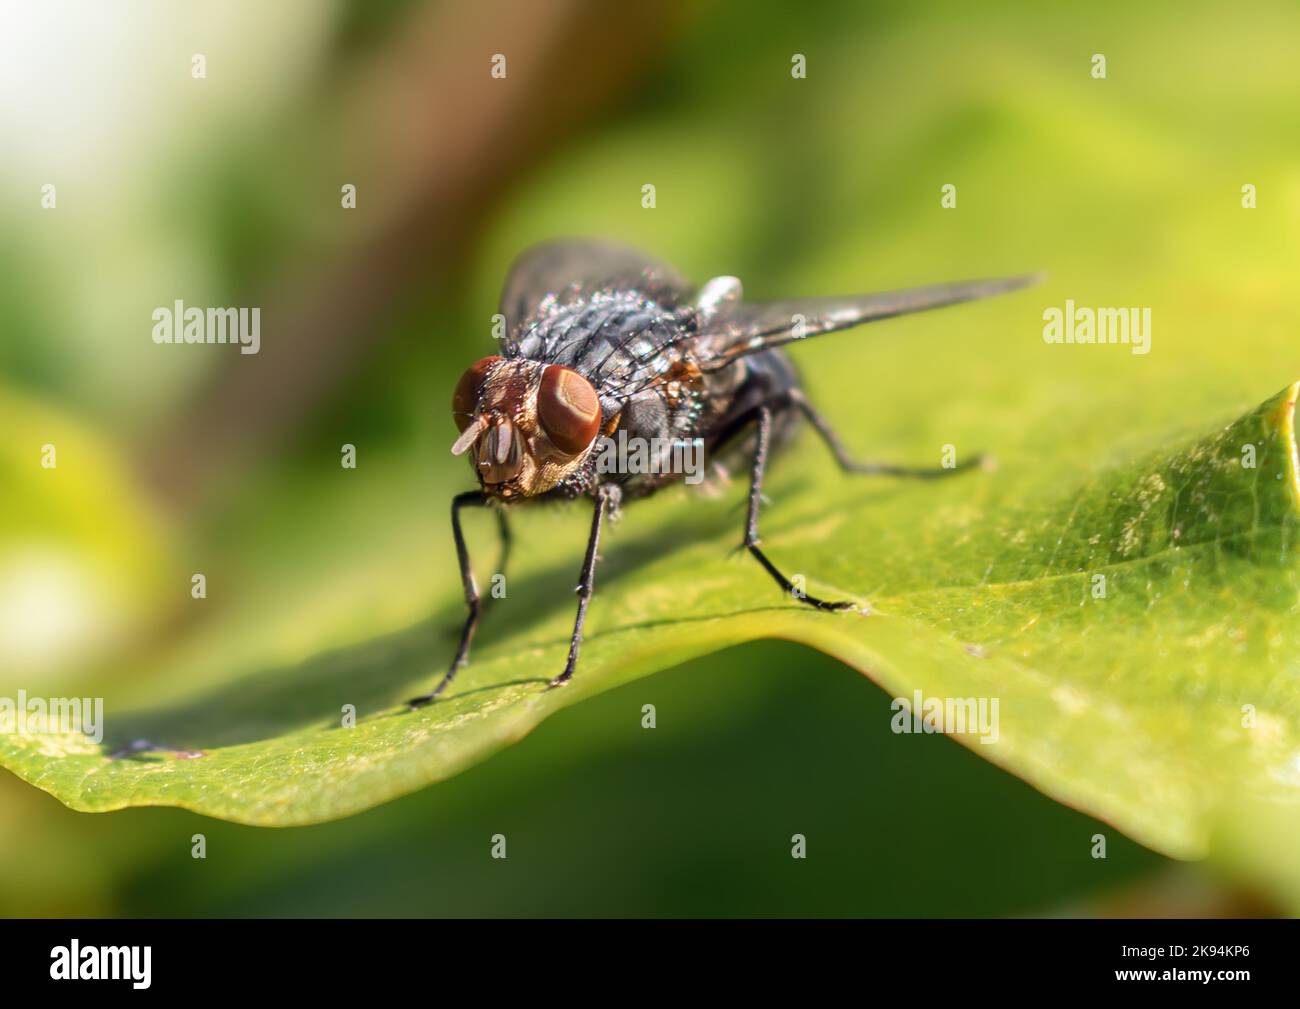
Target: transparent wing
x=573, y=268
x=751, y=327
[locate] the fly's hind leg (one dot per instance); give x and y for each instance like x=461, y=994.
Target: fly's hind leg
x=763, y=418
x=851, y=465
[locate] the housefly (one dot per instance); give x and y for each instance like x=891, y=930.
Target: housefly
x=603, y=341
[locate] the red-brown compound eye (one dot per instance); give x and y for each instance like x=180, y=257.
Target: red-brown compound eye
x=465, y=398
x=568, y=408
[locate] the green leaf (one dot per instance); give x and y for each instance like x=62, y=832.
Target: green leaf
x=1135, y=625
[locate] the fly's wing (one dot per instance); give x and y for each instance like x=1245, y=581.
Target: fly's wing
x=556, y=273
x=752, y=327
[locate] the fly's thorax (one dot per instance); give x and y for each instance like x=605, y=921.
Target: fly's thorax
x=526, y=426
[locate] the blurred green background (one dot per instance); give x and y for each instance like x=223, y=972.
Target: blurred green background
x=225, y=190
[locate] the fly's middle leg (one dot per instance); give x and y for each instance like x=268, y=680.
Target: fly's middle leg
x=763, y=419
x=862, y=467
x=507, y=540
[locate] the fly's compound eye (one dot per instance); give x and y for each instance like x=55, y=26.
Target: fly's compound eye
x=465, y=398
x=568, y=408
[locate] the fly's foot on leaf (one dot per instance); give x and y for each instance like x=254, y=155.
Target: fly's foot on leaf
x=831, y=605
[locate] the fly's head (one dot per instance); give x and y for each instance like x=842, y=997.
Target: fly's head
x=524, y=425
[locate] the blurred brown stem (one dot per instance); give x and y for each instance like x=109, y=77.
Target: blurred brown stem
x=448, y=139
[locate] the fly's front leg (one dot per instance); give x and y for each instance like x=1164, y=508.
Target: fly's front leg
x=472, y=600
x=764, y=420
x=851, y=465
x=607, y=500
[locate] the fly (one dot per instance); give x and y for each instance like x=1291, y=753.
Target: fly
x=604, y=341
